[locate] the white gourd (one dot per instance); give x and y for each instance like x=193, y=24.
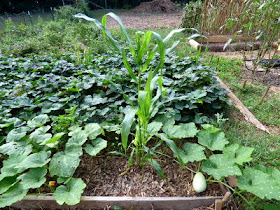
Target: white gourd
x=199, y=182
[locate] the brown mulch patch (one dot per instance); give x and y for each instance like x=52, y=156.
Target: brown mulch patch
x=103, y=178
x=157, y=6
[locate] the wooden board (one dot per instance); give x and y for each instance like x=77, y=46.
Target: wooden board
x=92, y=202
x=223, y=39
x=243, y=109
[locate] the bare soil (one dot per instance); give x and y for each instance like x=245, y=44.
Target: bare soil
x=134, y=20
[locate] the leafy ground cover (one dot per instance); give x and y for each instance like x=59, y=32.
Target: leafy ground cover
x=56, y=107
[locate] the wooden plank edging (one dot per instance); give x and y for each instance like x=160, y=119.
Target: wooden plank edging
x=101, y=202
x=242, y=108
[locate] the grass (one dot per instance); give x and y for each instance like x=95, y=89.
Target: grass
x=267, y=147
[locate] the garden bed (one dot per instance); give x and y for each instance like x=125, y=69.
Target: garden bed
x=217, y=43
x=138, y=188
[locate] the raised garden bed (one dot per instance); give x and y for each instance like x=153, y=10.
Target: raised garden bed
x=92, y=202
x=217, y=43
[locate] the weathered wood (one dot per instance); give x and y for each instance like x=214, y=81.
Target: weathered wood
x=224, y=38
x=218, y=204
x=243, y=109
x=194, y=44
x=92, y=202
x=226, y=197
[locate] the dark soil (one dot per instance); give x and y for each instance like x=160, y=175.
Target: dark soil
x=103, y=178
x=269, y=78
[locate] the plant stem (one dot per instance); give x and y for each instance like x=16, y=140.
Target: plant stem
x=234, y=191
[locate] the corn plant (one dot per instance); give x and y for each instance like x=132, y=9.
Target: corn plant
x=147, y=106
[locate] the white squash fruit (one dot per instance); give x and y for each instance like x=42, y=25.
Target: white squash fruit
x=199, y=182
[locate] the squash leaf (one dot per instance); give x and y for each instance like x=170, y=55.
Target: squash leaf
x=96, y=146
x=262, y=181
x=34, y=178
x=212, y=138
x=14, y=194
x=184, y=130
x=220, y=166
x=71, y=193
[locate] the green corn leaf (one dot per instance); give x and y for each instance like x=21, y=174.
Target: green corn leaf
x=157, y=167
x=166, y=39
x=220, y=166
x=128, y=66
x=14, y=194
x=34, y=178
x=106, y=33
x=143, y=47
x=54, y=140
x=126, y=125
x=96, y=146
x=171, y=144
x=261, y=181
x=71, y=193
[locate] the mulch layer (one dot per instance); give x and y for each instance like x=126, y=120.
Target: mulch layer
x=103, y=178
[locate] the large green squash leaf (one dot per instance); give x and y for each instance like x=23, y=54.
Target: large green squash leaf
x=15, y=148
x=14, y=194
x=78, y=138
x=7, y=183
x=220, y=166
x=34, y=178
x=17, y=134
x=38, y=121
x=238, y=153
x=154, y=127
x=34, y=160
x=212, y=138
x=71, y=193
x=261, y=181
x=10, y=165
x=192, y=152
x=96, y=146
x=64, y=164
x=186, y=130
x=93, y=130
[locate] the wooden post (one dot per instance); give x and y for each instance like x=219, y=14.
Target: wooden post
x=194, y=44
x=264, y=95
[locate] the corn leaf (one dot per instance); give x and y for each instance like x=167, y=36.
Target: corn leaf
x=126, y=125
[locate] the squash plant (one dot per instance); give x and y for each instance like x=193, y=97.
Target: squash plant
x=34, y=153
x=219, y=159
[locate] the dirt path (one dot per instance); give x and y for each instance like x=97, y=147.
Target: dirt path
x=147, y=21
